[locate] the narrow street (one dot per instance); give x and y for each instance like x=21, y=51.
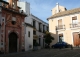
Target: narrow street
x=47, y=53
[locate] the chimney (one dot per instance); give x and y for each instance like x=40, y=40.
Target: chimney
x=57, y=5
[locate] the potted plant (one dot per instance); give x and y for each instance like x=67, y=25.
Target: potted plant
x=36, y=46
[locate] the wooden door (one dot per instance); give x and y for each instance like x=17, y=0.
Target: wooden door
x=76, y=39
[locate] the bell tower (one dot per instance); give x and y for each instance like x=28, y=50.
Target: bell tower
x=13, y=4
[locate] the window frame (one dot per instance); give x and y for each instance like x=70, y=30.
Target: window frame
x=28, y=33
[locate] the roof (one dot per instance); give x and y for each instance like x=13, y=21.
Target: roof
x=40, y=19
x=67, y=12
x=7, y=9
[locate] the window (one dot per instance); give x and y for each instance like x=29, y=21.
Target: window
x=28, y=33
x=34, y=23
x=59, y=10
x=2, y=19
x=60, y=22
x=74, y=20
x=1, y=43
x=60, y=25
x=40, y=27
x=47, y=28
x=43, y=28
x=34, y=32
x=13, y=20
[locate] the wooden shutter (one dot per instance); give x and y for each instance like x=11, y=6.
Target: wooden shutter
x=60, y=22
x=74, y=18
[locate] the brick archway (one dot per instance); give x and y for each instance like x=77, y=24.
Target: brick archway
x=13, y=42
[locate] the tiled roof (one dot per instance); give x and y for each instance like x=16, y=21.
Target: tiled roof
x=39, y=19
x=67, y=12
x=7, y=9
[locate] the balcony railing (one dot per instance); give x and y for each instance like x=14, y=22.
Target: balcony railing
x=60, y=27
x=40, y=29
x=43, y=31
x=35, y=37
x=75, y=25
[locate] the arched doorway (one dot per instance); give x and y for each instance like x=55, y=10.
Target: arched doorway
x=12, y=42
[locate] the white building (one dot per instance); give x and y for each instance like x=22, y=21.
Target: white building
x=40, y=27
x=28, y=37
x=36, y=32
x=28, y=27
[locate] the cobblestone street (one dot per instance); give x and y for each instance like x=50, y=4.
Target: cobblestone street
x=46, y=53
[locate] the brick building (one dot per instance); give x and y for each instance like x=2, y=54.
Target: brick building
x=11, y=27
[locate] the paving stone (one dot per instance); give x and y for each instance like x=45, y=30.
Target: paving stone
x=47, y=53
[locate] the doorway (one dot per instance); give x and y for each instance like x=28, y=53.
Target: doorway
x=76, y=39
x=61, y=38
x=12, y=42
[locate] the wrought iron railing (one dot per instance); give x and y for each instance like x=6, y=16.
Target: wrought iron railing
x=74, y=25
x=60, y=27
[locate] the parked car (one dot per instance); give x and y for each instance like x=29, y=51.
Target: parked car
x=60, y=45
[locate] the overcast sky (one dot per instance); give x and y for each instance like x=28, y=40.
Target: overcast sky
x=42, y=8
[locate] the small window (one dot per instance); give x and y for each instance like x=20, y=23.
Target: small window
x=2, y=19
x=59, y=10
x=1, y=43
x=74, y=19
x=34, y=32
x=28, y=33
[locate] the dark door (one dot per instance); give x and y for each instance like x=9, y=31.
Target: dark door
x=43, y=42
x=12, y=42
x=39, y=41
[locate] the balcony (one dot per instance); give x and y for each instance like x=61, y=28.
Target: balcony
x=60, y=27
x=75, y=25
x=35, y=37
x=40, y=29
x=43, y=31
x=34, y=29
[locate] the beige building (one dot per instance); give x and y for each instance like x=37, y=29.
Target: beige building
x=65, y=25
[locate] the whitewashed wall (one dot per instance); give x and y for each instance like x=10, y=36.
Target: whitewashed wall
x=29, y=19
x=0, y=31
x=28, y=40
x=37, y=27
x=25, y=6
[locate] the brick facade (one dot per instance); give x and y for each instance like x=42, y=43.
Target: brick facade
x=7, y=27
